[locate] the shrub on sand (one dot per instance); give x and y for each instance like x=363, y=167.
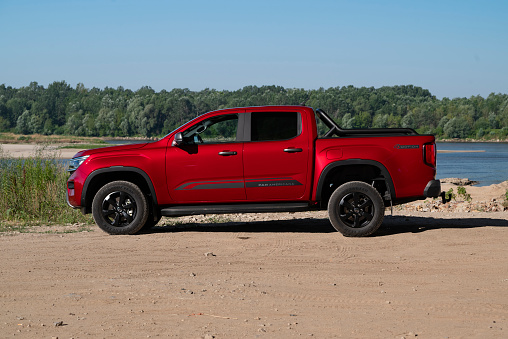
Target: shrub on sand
x=32, y=190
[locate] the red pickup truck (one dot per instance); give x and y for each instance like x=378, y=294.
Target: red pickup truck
x=256, y=159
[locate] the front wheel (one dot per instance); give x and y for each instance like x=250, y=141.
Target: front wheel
x=356, y=209
x=120, y=207
x=152, y=220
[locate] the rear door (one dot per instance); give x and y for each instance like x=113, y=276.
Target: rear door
x=276, y=157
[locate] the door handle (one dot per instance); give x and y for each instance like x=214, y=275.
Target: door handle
x=292, y=150
x=227, y=153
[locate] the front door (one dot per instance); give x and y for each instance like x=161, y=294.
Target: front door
x=207, y=167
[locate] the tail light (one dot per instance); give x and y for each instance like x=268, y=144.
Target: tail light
x=429, y=154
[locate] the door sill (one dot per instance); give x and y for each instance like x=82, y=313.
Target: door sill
x=179, y=211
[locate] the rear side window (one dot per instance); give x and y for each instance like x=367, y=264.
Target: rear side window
x=269, y=126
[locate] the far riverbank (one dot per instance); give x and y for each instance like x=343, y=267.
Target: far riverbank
x=28, y=150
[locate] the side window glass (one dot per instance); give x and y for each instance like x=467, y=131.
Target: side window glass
x=213, y=130
x=270, y=126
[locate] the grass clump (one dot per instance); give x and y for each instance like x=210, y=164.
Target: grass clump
x=461, y=191
x=33, y=191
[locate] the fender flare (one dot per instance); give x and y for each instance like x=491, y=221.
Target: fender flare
x=117, y=169
x=341, y=163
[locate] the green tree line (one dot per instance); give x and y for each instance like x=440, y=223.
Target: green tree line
x=62, y=109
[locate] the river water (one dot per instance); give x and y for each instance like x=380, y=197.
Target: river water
x=490, y=166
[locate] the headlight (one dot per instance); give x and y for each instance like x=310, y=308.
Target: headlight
x=76, y=162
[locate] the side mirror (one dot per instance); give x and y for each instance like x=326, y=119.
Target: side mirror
x=178, y=140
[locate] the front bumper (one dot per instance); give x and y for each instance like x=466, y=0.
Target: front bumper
x=433, y=189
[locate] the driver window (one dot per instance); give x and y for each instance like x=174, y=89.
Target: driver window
x=213, y=130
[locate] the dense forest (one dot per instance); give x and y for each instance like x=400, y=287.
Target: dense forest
x=62, y=109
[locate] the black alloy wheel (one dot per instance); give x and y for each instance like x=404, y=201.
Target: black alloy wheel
x=120, y=207
x=356, y=209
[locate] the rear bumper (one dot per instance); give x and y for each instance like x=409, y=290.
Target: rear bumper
x=433, y=189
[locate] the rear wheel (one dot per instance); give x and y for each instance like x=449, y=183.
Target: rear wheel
x=356, y=209
x=120, y=207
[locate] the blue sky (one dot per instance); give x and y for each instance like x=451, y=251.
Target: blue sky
x=452, y=48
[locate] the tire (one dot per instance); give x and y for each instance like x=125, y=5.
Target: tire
x=120, y=207
x=151, y=221
x=356, y=209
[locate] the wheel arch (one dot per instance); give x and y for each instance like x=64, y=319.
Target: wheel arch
x=353, y=170
x=100, y=177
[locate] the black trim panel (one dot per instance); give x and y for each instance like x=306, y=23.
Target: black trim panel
x=241, y=135
x=178, y=211
x=433, y=189
x=336, y=164
x=117, y=169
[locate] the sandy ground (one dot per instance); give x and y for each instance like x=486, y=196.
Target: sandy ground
x=425, y=275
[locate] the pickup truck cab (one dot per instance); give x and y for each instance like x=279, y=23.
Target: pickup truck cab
x=255, y=159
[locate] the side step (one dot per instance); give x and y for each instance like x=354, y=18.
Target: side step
x=179, y=211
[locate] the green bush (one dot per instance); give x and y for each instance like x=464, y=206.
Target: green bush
x=32, y=190
x=461, y=192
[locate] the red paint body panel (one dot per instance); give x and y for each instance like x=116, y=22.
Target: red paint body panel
x=147, y=157
x=268, y=160
x=406, y=167
x=259, y=171
x=202, y=170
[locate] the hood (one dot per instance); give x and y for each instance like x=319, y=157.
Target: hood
x=109, y=149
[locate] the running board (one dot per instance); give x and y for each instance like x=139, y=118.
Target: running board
x=179, y=211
